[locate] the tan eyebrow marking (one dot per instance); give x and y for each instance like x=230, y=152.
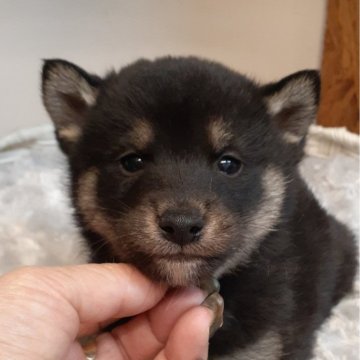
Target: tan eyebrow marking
x=141, y=134
x=219, y=133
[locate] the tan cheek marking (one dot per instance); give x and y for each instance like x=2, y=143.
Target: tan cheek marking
x=262, y=221
x=141, y=134
x=270, y=207
x=219, y=133
x=87, y=203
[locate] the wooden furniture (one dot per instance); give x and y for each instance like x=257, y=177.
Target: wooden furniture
x=339, y=105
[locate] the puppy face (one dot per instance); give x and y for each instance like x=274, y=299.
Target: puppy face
x=180, y=166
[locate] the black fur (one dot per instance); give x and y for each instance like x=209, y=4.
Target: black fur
x=291, y=275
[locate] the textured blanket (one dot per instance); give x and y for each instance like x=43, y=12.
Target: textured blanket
x=36, y=226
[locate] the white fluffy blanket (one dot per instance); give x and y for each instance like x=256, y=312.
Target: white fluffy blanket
x=36, y=225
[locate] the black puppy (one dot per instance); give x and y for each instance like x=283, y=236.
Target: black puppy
x=189, y=170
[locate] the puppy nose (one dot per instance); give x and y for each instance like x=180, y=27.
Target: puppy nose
x=181, y=226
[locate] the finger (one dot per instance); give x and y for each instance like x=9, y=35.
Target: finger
x=189, y=338
x=89, y=293
x=108, y=348
x=109, y=291
x=154, y=327
x=75, y=352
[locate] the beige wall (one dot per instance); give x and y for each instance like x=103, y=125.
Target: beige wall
x=264, y=38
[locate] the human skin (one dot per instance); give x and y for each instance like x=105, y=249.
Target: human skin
x=43, y=311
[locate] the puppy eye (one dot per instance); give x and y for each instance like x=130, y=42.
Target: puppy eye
x=132, y=163
x=229, y=165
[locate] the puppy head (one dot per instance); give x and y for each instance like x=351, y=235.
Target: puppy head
x=180, y=165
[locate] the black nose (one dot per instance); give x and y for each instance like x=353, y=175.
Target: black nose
x=181, y=226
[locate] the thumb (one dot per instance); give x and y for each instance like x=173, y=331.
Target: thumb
x=52, y=302
x=96, y=292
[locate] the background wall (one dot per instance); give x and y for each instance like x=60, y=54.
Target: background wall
x=266, y=39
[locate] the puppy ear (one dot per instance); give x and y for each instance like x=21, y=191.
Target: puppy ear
x=293, y=103
x=68, y=92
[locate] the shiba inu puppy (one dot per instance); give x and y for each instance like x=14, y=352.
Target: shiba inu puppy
x=189, y=170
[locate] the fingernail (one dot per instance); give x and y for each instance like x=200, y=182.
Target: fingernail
x=216, y=304
x=88, y=344
x=210, y=285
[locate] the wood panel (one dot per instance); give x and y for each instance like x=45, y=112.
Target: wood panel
x=339, y=105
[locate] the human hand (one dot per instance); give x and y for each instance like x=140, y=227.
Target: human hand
x=43, y=311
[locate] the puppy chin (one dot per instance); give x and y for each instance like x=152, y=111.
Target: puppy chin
x=179, y=272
